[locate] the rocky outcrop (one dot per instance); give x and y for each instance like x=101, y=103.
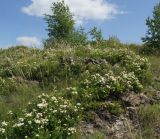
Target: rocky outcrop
x=119, y=127
x=134, y=100
x=156, y=97
x=115, y=128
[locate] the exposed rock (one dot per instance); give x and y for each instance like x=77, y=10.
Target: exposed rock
x=122, y=128
x=133, y=100
x=117, y=128
x=132, y=113
x=158, y=130
x=94, y=61
x=157, y=97
x=105, y=115
x=158, y=94
x=98, y=122
x=86, y=128
x=90, y=61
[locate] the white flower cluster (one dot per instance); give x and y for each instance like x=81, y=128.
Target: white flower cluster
x=101, y=86
x=130, y=81
x=2, y=130
x=72, y=90
x=136, y=64
x=127, y=59
x=4, y=124
x=49, y=113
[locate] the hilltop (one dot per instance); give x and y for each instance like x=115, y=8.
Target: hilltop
x=92, y=91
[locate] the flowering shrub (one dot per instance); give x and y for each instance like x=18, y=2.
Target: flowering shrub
x=99, y=87
x=140, y=66
x=125, y=58
x=54, y=65
x=95, y=79
x=71, y=93
x=48, y=117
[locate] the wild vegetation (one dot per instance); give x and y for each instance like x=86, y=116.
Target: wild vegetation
x=151, y=39
x=78, y=88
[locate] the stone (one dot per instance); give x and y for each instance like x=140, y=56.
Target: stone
x=133, y=100
x=121, y=129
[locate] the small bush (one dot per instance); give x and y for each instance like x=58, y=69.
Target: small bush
x=98, y=87
x=126, y=59
x=113, y=42
x=7, y=86
x=48, y=117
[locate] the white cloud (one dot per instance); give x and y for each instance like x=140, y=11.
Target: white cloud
x=38, y=7
x=29, y=41
x=82, y=9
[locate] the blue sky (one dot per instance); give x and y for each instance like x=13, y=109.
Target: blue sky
x=21, y=21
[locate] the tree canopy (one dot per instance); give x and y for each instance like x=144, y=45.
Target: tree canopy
x=152, y=38
x=61, y=27
x=60, y=22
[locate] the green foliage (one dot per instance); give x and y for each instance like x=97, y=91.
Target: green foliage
x=61, y=27
x=127, y=59
x=84, y=76
x=73, y=82
x=33, y=70
x=150, y=118
x=60, y=23
x=98, y=87
x=113, y=42
x=11, y=56
x=18, y=99
x=152, y=38
x=52, y=65
x=49, y=116
x=155, y=67
x=111, y=107
x=7, y=86
x=96, y=34
x=146, y=50
x=95, y=135
x=77, y=37
x=150, y=113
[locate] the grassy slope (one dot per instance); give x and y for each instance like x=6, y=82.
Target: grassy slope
x=27, y=88
x=150, y=115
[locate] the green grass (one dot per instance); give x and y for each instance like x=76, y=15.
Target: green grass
x=52, y=71
x=19, y=99
x=150, y=121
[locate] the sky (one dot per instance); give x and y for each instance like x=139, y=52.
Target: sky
x=22, y=21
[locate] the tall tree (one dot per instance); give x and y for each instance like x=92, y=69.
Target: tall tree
x=78, y=37
x=60, y=22
x=96, y=34
x=152, y=38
